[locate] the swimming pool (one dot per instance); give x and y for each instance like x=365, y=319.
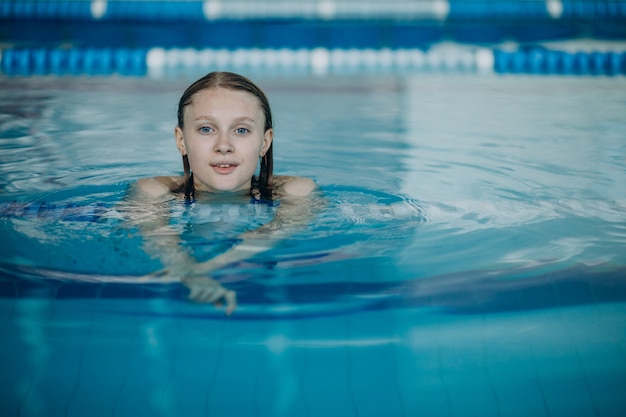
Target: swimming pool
x=470, y=259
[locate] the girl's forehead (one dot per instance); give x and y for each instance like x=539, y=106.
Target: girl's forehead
x=222, y=103
x=220, y=97
x=224, y=106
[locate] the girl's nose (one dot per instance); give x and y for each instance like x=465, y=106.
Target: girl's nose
x=223, y=144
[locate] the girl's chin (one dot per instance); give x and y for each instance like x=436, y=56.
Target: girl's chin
x=224, y=188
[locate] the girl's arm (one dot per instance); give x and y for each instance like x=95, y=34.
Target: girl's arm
x=296, y=209
x=292, y=215
x=294, y=212
x=148, y=208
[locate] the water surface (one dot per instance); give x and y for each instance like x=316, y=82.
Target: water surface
x=469, y=259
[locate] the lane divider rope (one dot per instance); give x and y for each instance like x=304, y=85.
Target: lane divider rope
x=157, y=62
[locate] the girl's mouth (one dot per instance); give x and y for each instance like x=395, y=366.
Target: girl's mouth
x=224, y=168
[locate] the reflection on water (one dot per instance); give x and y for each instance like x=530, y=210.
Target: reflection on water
x=521, y=139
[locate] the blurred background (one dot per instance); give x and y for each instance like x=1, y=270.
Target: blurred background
x=157, y=37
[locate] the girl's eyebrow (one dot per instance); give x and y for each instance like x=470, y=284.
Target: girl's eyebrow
x=237, y=120
x=203, y=118
x=244, y=119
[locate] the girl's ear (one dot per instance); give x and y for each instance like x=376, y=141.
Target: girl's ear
x=180, y=140
x=267, y=141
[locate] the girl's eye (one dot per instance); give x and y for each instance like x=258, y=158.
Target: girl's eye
x=205, y=129
x=242, y=130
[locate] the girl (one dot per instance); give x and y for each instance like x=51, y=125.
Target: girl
x=224, y=128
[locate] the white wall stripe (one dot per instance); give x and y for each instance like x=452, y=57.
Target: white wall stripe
x=441, y=9
x=212, y=9
x=98, y=9
x=326, y=9
x=554, y=8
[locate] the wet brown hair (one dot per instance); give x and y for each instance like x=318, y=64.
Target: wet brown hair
x=262, y=185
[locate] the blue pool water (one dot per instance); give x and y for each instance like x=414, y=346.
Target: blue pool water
x=467, y=256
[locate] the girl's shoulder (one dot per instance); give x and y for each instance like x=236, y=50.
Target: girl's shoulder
x=293, y=186
x=156, y=187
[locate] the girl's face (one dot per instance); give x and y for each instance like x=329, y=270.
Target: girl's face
x=223, y=137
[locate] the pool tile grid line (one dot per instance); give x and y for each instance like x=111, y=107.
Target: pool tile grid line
x=263, y=377
x=485, y=357
x=537, y=379
x=33, y=325
x=440, y=369
x=572, y=342
x=11, y=314
x=132, y=346
x=349, y=369
x=395, y=361
x=170, y=369
x=327, y=359
x=163, y=63
x=596, y=308
x=373, y=361
x=303, y=371
x=213, y=379
x=256, y=388
x=539, y=384
x=612, y=350
x=81, y=353
x=285, y=367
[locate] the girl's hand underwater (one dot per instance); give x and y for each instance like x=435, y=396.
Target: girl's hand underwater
x=208, y=290
x=203, y=289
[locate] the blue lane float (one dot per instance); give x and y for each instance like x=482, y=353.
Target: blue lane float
x=74, y=61
x=159, y=62
x=28, y=9
x=544, y=61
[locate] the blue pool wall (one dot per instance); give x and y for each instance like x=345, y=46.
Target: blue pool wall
x=132, y=37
